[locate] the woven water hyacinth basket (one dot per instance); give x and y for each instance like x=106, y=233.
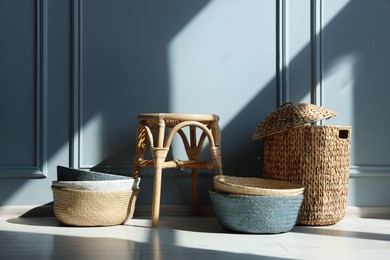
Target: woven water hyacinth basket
x=256, y=214
x=256, y=186
x=74, y=207
x=314, y=156
x=94, y=203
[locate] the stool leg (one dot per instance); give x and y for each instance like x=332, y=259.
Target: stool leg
x=216, y=151
x=159, y=156
x=217, y=160
x=195, y=199
x=194, y=173
x=216, y=131
x=140, y=148
x=156, y=197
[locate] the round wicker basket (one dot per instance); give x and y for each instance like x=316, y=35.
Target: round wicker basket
x=75, y=207
x=256, y=186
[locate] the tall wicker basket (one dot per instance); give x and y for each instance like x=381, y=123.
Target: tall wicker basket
x=315, y=156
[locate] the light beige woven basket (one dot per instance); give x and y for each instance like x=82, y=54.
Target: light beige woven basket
x=256, y=186
x=75, y=207
x=314, y=156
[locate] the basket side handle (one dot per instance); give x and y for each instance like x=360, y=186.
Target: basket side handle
x=344, y=133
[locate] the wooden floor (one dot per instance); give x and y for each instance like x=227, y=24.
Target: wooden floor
x=190, y=238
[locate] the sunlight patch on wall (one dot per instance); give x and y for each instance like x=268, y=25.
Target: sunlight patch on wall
x=338, y=85
x=299, y=16
x=306, y=98
x=333, y=8
x=222, y=58
x=91, y=146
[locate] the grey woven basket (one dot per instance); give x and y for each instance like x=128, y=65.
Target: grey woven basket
x=256, y=214
x=70, y=174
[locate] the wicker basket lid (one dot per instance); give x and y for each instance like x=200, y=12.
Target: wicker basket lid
x=289, y=115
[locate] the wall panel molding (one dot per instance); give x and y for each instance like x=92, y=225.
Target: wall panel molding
x=39, y=167
x=283, y=59
x=281, y=52
x=369, y=171
x=76, y=88
x=76, y=139
x=316, y=52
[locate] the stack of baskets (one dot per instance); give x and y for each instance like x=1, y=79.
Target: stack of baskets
x=87, y=198
x=315, y=156
x=255, y=205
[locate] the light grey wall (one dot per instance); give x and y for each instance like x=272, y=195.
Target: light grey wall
x=75, y=74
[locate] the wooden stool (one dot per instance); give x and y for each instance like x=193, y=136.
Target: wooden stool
x=151, y=128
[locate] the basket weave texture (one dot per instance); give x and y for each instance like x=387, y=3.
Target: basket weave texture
x=290, y=115
x=75, y=207
x=256, y=186
x=318, y=158
x=256, y=214
x=88, y=198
